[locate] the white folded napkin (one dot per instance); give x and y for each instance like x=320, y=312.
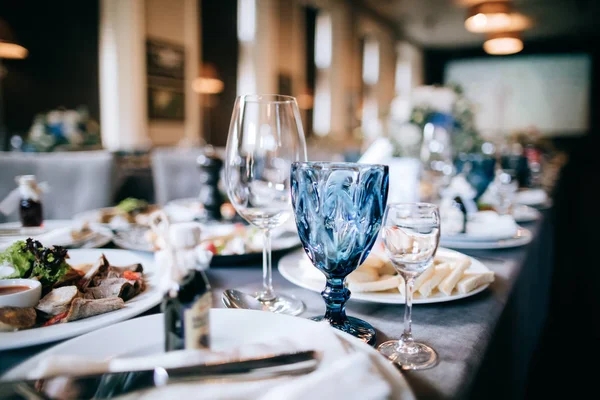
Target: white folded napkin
x=491, y=224
x=531, y=197
x=342, y=373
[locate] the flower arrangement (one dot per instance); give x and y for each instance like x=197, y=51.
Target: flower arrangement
x=448, y=102
x=62, y=129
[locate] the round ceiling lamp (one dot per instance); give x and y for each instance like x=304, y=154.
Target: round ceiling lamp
x=9, y=47
x=503, y=43
x=495, y=16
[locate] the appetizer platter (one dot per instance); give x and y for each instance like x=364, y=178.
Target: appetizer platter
x=453, y=276
x=79, y=290
x=127, y=212
x=229, y=243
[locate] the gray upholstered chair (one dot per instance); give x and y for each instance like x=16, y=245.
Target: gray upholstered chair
x=78, y=181
x=175, y=173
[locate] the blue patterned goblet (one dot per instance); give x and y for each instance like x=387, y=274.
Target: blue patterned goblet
x=339, y=208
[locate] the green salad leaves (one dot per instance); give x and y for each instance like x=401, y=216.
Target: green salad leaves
x=31, y=260
x=132, y=205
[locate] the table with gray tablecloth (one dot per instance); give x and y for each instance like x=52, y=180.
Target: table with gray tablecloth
x=485, y=342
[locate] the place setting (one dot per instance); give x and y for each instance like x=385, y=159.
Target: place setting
x=484, y=221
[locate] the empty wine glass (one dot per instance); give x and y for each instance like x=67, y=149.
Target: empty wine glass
x=339, y=208
x=265, y=137
x=411, y=234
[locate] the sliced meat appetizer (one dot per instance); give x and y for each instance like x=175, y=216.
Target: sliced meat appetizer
x=84, y=308
x=13, y=318
x=98, y=270
x=58, y=300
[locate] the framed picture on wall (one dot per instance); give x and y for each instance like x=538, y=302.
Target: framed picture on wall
x=165, y=59
x=166, y=103
x=165, y=64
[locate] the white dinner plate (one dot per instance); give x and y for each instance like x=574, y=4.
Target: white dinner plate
x=137, y=305
x=522, y=237
x=251, y=327
x=292, y=268
x=102, y=237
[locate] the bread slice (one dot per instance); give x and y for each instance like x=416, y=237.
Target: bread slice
x=473, y=281
x=425, y=275
x=441, y=271
x=380, y=262
x=459, y=267
x=363, y=274
x=385, y=282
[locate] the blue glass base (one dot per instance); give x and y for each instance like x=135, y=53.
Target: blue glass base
x=355, y=327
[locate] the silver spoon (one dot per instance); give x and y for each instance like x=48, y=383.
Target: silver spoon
x=233, y=298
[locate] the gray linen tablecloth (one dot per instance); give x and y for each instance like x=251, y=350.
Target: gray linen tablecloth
x=485, y=342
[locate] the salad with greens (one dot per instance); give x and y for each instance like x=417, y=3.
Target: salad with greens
x=31, y=260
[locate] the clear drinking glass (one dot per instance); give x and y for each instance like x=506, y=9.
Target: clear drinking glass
x=265, y=137
x=411, y=234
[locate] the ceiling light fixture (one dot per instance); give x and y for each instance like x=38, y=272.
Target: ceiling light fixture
x=495, y=16
x=503, y=43
x=9, y=47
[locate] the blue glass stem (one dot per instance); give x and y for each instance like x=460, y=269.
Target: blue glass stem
x=336, y=295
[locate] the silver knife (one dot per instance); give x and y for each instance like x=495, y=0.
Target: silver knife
x=108, y=385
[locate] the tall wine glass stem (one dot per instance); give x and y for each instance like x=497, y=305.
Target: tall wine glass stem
x=406, y=340
x=267, y=293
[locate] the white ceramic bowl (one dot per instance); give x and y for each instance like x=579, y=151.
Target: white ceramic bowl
x=26, y=298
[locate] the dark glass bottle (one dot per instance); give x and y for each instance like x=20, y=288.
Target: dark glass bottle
x=459, y=204
x=210, y=196
x=187, y=313
x=30, y=206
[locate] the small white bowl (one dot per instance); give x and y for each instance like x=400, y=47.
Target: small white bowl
x=26, y=298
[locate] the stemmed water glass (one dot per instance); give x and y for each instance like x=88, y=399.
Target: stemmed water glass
x=411, y=234
x=265, y=137
x=339, y=208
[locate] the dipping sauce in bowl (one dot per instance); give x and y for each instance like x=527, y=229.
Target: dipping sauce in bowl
x=4, y=290
x=20, y=292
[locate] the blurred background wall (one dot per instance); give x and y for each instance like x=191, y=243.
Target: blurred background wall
x=353, y=66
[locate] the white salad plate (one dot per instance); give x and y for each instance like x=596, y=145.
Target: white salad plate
x=469, y=242
x=149, y=298
x=54, y=233
x=292, y=268
x=230, y=328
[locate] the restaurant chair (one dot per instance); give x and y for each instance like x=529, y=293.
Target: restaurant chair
x=175, y=172
x=78, y=181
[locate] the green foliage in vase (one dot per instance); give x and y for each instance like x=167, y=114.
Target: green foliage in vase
x=465, y=137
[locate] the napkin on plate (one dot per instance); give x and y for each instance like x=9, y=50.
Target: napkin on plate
x=342, y=373
x=491, y=224
x=531, y=197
